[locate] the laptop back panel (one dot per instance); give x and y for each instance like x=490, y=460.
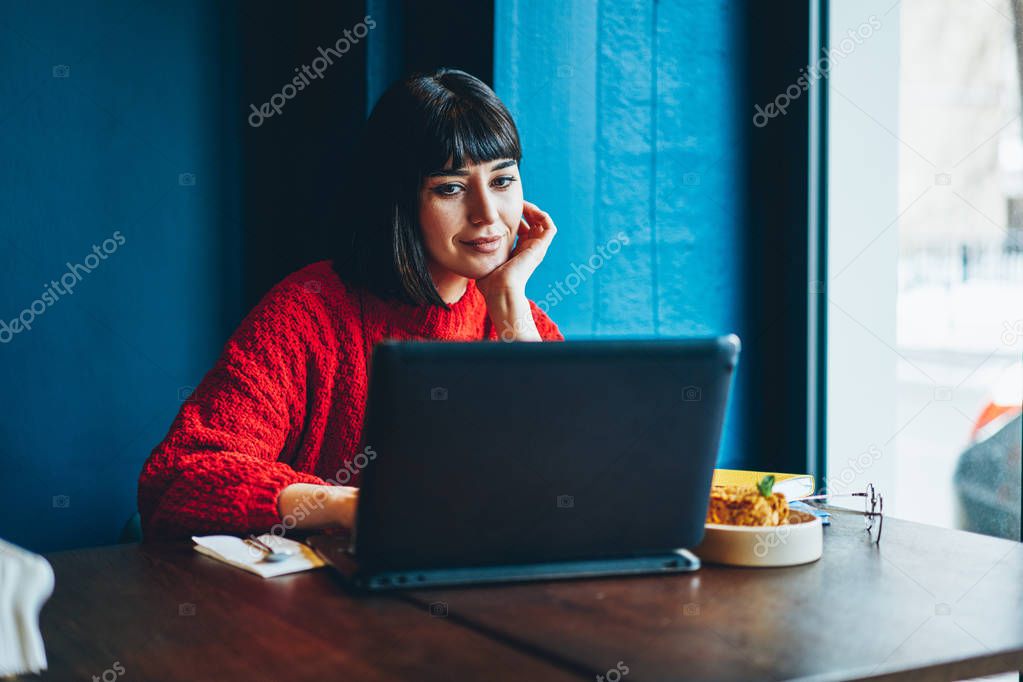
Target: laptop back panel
x=492, y=454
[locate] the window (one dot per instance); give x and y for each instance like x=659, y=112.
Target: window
x=925, y=258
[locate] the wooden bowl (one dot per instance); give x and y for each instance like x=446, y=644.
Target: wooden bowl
x=799, y=541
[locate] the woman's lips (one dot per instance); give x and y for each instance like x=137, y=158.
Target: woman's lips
x=485, y=244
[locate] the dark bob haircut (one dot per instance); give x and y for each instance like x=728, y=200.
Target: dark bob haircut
x=416, y=126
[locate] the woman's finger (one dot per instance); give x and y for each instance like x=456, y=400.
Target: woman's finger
x=540, y=220
x=535, y=216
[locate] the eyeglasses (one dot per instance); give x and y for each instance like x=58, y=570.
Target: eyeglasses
x=873, y=508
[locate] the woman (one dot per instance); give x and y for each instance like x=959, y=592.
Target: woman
x=270, y=439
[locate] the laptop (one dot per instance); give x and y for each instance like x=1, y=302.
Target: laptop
x=500, y=462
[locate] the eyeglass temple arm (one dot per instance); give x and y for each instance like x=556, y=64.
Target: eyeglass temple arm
x=824, y=497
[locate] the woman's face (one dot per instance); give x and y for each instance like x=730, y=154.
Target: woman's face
x=464, y=205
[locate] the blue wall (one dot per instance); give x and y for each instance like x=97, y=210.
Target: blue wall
x=627, y=113
x=96, y=381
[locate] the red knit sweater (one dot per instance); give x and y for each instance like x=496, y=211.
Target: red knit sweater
x=285, y=401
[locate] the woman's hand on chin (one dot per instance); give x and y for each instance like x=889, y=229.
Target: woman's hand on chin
x=535, y=234
x=504, y=289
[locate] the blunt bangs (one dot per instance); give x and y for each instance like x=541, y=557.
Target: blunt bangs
x=475, y=133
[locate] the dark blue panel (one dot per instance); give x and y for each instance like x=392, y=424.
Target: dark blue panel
x=112, y=130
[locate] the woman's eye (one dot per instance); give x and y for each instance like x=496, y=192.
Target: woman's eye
x=447, y=190
x=452, y=188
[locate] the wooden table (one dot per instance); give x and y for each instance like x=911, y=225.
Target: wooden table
x=927, y=604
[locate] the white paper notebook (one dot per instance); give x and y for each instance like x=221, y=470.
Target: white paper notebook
x=233, y=550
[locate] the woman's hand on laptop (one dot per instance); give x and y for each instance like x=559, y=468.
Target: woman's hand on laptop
x=307, y=505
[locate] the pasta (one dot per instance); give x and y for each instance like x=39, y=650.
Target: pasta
x=741, y=505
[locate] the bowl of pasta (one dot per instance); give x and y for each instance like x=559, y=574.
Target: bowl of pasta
x=754, y=526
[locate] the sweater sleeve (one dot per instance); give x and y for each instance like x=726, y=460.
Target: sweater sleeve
x=219, y=467
x=545, y=325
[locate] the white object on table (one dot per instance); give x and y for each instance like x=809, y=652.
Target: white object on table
x=791, y=544
x=234, y=551
x=26, y=582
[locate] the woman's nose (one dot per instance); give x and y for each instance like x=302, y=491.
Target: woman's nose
x=483, y=208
